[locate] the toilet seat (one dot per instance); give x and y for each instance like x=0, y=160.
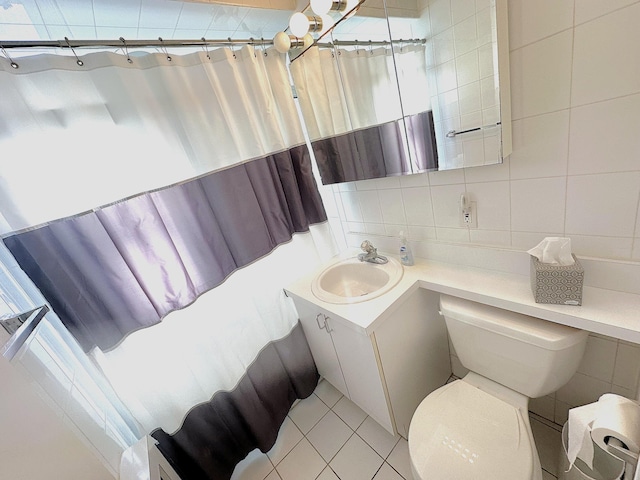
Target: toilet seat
x=460, y=432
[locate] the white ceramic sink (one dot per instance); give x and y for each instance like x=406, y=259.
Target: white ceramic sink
x=353, y=281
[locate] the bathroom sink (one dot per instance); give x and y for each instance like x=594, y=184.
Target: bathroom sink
x=353, y=281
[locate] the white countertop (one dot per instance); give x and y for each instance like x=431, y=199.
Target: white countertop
x=607, y=312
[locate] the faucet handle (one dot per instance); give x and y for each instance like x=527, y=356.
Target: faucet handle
x=367, y=246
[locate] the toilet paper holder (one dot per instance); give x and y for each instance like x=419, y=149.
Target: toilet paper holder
x=619, y=450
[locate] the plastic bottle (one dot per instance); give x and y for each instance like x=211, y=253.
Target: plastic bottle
x=406, y=257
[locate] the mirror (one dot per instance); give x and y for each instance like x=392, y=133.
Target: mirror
x=426, y=90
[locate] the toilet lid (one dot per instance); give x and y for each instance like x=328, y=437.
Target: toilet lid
x=460, y=432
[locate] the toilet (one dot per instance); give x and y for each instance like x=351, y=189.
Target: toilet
x=477, y=428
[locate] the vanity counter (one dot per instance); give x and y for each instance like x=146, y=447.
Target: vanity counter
x=606, y=312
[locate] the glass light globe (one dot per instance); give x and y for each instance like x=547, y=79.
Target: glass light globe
x=299, y=24
x=321, y=7
x=282, y=42
x=307, y=40
x=327, y=23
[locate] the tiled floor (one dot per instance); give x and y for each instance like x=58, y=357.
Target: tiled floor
x=327, y=437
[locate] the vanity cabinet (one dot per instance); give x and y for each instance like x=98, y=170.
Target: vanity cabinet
x=388, y=371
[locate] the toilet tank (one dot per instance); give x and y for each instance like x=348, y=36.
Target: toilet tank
x=526, y=354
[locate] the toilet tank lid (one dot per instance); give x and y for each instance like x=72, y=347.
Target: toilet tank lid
x=532, y=330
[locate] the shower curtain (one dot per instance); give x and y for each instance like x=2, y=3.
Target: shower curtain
x=161, y=205
x=351, y=103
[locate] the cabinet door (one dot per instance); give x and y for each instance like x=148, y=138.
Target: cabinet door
x=359, y=363
x=321, y=344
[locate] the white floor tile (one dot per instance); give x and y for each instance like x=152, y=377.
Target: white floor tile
x=356, y=460
x=387, y=473
x=377, y=437
x=329, y=435
x=327, y=393
x=273, y=476
x=288, y=437
x=255, y=466
x=302, y=463
x=548, y=442
x=349, y=412
x=307, y=413
x=399, y=458
x=328, y=474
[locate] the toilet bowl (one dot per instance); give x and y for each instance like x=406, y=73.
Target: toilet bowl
x=477, y=428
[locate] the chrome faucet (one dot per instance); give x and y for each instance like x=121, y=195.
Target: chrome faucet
x=371, y=254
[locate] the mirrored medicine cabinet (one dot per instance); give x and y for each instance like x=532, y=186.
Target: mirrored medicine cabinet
x=398, y=90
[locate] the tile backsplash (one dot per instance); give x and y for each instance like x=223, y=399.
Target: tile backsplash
x=574, y=171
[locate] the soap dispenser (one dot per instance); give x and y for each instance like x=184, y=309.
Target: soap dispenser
x=406, y=257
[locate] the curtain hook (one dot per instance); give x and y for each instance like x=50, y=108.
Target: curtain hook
x=206, y=50
x=78, y=61
x=357, y=49
x=163, y=49
x=126, y=50
x=233, y=52
x=252, y=42
x=264, y=51
x=400, y=45
x=13, y=64
x=370, y=47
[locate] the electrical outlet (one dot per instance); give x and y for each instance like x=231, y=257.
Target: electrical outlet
x=468, y=215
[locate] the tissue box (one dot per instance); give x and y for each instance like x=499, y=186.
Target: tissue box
x=560, y=284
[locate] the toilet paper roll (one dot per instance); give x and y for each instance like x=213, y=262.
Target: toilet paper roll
x=617, y=417
x=579, y=443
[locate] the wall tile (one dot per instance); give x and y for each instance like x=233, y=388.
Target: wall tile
x=627, y=369
x=375, y=228
x=492, y=204
x=470, y=98
x=446, y=177
x=465, y=35
x=370, y=206
x=582, y=389
x=467, y=68
x=499, y=238
x=540, y=146
x=416, y=180
x=537, y=205
x=599, y=358
x=486, y=60
x=488, y=173
x=392, y=206
x=456, y=235
x=417, y=206
x=446, y=77
x=532, y=21
x=609, y=247
x=541, y=76
x=443, y=47
x=421, y=233
x=351, y=207
x=602, y=204
x=607, y=48
x=589, y=9
x=604, y=136
x=461, y=9
x=440, y=15
x=393, y=230
x=446, y=205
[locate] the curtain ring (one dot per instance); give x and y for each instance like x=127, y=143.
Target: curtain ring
x=163, y=49
x=126, y=50
x=252, y=42
x=357, y=49
x=206, y=50
x=78, y=61
x=264, y=51
x=13, y=64
x=233, y=52
x=370, y=47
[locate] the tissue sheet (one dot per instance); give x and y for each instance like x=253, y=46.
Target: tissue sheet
x=611, y=416
x=553, y=251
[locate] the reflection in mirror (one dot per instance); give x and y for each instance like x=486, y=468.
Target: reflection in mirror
x=453, y=82
x=350, y=101
x=467, y=74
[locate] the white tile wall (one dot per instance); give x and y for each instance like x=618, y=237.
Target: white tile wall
x=575, y=166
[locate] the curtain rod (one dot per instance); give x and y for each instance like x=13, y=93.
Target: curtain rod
x=66, y=43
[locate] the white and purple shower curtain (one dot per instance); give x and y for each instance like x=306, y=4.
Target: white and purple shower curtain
x=161, y=206
x=351, y=102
